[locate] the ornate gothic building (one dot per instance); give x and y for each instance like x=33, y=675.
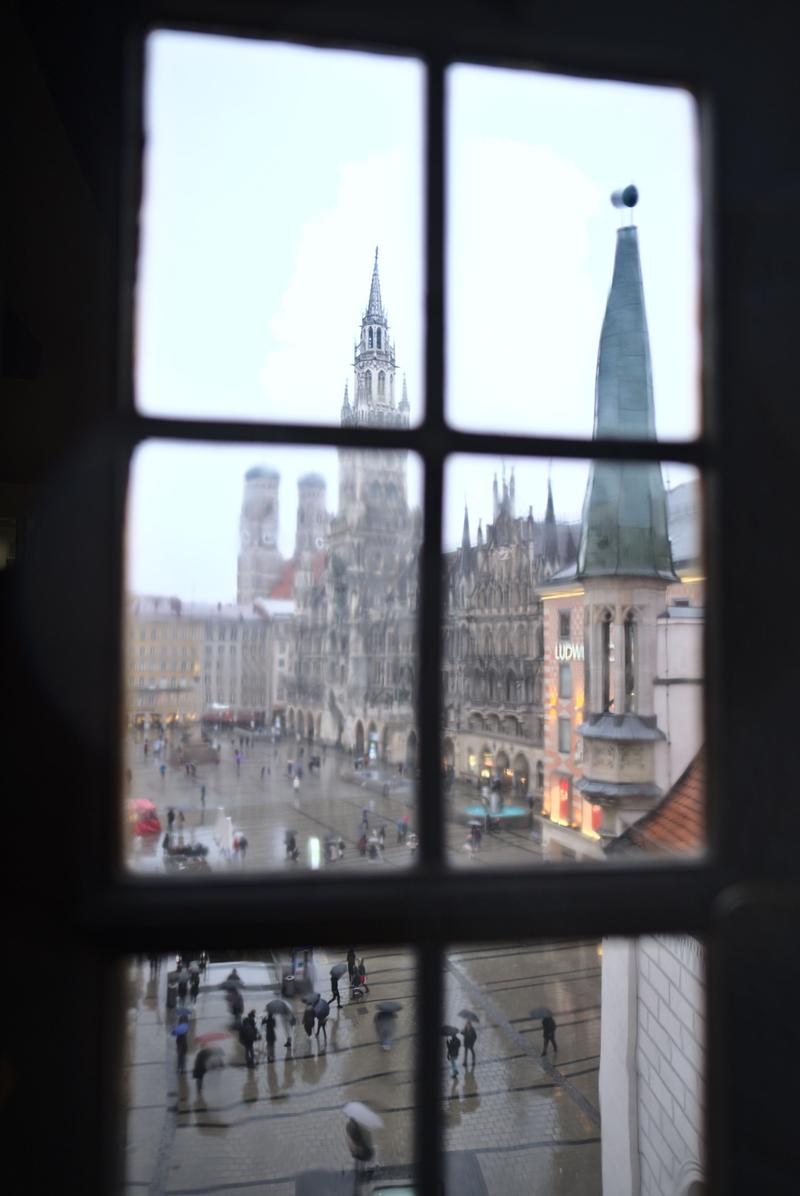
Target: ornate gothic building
x=493, y=645
x=354, y=629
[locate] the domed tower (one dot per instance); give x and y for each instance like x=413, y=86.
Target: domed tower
x=260, y=562
x=312, y=516
x=374, y=401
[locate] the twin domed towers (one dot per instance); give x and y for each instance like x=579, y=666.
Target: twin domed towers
x=260, y=563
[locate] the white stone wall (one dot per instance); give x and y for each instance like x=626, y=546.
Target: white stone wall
x=651, y=1065
x=669, y=1060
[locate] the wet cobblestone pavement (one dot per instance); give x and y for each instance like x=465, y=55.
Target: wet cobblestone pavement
x=523, y=1123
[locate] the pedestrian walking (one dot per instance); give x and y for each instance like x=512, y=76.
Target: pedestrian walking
x=382, y=837
x=242, y=847
x=549, y=1034
x=181, y=820
x=235, y=1005
x=322, y=1010
x=351, y=963
x=335, y=991
x=181, y=1033
x=194, y=987
x=268, y=1023
x=248, y=1037
x=146, y=746
x=202, y=795
x=201, y=1067
x=170, y=818
x=263, y=769
x=291, y=1022
x=364, y=821
x=470, y=1036
x=183, y=984
x=360, y=1145
x=162, y=768
x=308, y=1024
x=384, y=1022
x=453, y=1049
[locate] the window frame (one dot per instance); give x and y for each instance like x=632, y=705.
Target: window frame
x=118, y=914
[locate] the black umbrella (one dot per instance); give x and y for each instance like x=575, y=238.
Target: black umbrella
x=541, y=1011
x=449, y=1031
x=469, y=1014
x=322, y=1009
x=277, y=1006
x=389, y=1006
x=311, y=998
x=339, y=969
x=231, y=985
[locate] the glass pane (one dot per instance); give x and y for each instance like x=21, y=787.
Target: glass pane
x=573, y=662
x=270, y=658
x=531, y=248
x=321, y=1099
x=271, y=173
x=558, y=1038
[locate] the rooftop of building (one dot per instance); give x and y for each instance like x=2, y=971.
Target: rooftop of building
x=677, y=825
x=262, y=471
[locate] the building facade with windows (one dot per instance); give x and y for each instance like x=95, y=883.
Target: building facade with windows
x=493, y=675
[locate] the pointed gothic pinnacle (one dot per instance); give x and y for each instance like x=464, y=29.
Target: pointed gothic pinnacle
x=346, y=401
x=375, y=306
x=404, y=399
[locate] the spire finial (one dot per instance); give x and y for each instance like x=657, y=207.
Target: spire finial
x=375, y=306
x=625, y=197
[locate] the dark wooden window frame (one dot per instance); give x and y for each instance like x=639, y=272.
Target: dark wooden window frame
x=742, y=897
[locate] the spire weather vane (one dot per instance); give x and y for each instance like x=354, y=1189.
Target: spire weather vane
x=626, y=197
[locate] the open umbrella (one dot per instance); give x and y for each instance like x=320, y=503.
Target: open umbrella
x=231, y=985
x=194, y=968
x=180, y=1029
x=541, y=1011
x=339, y=969
x=363, y=1115
x=475, y=822
x=389, y=1006
x=449, y=1031
x=213, y=1036
x=469, y=1014
x=182, y=1011
x=321, y=1009
x=277, y=1006
x=311, y=998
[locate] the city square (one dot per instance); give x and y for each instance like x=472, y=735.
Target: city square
x=514, y=1121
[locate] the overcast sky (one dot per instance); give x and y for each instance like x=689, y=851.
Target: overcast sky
x=272, y=172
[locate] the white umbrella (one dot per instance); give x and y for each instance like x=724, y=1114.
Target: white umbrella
x=363, y=1115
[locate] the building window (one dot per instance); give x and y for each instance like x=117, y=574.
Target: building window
x=630, y=632
x=565, y=680
x=563, y=624
x=564, y=735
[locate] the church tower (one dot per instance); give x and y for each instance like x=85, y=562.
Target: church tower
x=312, y=517
x=624, y=561
x=260, y=562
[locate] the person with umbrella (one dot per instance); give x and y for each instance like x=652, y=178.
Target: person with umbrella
x=351, y=962
x=268, y=1023
x=183, y=983
x=180, y=1034
x=360, y=1120
x=308, y=1023
x=469, y=1036
x=204, y=1060
x=337, y=971
x=321, y=1012
x=384, y=1022
x=194, y=986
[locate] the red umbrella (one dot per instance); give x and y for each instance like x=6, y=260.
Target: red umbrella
x=212, y=1036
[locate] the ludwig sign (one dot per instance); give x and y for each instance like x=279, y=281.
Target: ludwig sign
x=566, y=651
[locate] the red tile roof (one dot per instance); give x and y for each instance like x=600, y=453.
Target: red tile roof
x=284, y=586
x=677, y=824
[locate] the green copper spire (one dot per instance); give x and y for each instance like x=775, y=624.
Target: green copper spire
x=624, y=525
